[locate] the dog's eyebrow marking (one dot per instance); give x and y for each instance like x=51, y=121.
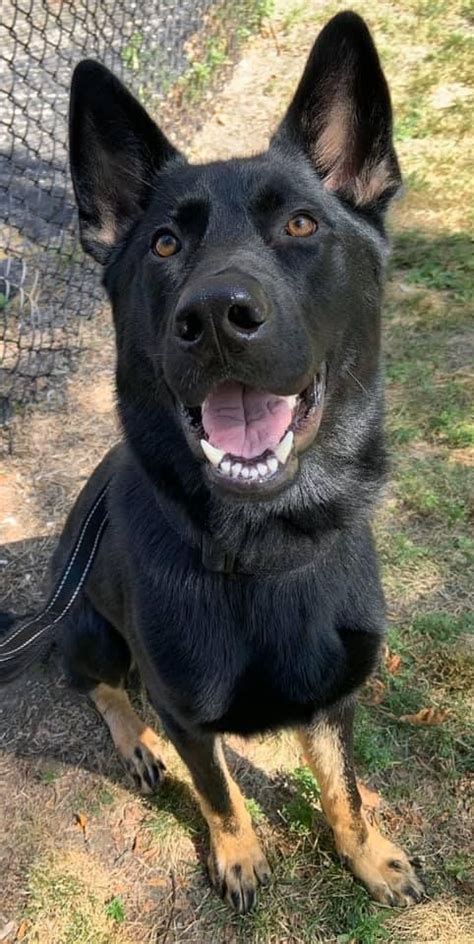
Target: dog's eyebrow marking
x=192, y=212
x=269, y=200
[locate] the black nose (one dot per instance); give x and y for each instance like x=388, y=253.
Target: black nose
x=224, y=305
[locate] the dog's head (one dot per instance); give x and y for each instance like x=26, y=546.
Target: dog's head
x=246, y=293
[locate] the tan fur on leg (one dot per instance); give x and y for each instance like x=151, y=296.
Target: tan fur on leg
x=236, y=862
x=382, y=866
x=137, y=744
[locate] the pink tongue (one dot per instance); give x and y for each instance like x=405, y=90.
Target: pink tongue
x=244, y=421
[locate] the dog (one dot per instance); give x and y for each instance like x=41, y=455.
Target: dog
x=237, y=570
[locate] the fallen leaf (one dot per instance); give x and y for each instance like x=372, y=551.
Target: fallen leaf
x=393, y=663
x=158, y=882
x=374, y=691
x=81, y=821
x=22, y=930
x=427, y=716
x=370, y=798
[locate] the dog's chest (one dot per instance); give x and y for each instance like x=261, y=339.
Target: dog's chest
x=242, y=656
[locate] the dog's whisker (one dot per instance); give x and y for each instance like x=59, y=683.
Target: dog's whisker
x=356, y=380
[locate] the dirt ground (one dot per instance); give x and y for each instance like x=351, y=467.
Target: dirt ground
x=83, y=859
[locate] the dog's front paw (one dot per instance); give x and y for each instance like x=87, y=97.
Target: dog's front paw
x=237, y=866
x=141, y=755
x=385, y=870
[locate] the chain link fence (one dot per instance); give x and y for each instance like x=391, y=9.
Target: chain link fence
x=169, y=53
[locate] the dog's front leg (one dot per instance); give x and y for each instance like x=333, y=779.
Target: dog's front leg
x=382, y=866
x=236, y=862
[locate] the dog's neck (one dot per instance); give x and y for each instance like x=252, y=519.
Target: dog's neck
x=284, y=534
x=238, y=538
x=231, y=543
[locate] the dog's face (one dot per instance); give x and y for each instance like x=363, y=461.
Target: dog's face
x=246, y=294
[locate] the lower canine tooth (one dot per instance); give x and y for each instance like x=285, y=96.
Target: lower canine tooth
x=235, y=471
x=214, y=455
x=283, y=449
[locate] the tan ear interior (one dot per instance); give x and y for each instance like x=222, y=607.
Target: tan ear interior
x=332, y=152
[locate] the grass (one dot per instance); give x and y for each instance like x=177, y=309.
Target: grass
x=298, y=812
x=424, y=533
x=115, y=910
x=67, y=904
x=217, y=47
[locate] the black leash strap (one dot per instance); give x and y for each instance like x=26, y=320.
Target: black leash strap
x=23, y=644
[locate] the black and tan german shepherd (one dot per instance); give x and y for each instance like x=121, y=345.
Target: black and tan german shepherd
x=238, y=570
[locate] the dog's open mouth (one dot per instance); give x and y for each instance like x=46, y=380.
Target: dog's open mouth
x=249, y=437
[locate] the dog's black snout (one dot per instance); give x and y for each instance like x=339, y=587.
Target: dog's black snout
x=189, y=326
x=245, y=316
x=224, y=306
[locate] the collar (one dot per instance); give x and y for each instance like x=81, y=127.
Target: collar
x=214, y=558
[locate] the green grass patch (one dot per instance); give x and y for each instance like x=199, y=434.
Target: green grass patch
x=294, y=15
x=443, y=627
x=400, y=551
x=48, y=776
x=298, y=812
x=373, y=748
x=255, y=810
x=461, y=866
x=115, y=910
x=63, y=903
x=442, y=263
x=367, y=926
x=431, y=488
x=218, y=46
x=92, y=802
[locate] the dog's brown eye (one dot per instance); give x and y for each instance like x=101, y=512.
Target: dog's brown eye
x=165, y=244
x=301, y=225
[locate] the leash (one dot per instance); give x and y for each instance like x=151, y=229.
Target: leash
x=22, y=645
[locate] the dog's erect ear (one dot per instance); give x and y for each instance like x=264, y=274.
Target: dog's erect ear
x=115, y=150
x=341, y=115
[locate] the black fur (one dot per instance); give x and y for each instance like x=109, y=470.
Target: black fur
x=298, y=627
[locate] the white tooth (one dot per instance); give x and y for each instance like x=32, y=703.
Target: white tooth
x=245, y=473
x=272, y=463
x=262, y=468
x=225, y=466
x=236, y=469
x=214, y=455
x=283, y=449
x=253, y=472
